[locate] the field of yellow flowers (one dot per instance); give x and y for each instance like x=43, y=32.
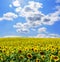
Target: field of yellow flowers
x=29, y=49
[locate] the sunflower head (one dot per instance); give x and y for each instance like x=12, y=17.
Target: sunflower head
x=47, y=49
x=0, y=46
x=32, y=49
x=26, y=48
x=35, y=50
x=21, y=56
x=55, y=58
x=58, y=52
x=53, y=50
x=37, y=60
x=29, y=55
x=3, y=50
x=0, y=50
x=43, y=57
x=42, y=53
x=19, y=51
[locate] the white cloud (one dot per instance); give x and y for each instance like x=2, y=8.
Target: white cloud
x=18, y=9
x=27, y=10
x=48, y=36
x=43, y=33
x=25, y=13
x=35, y=24
x=16, y=3
x=46, y=20
x=8, y=16
x=33, y=15
x=42, y=30
x=22, y=28
x=38, y=18
x=41, y=36
x=55, y=16
x=51, y=18
x=35, y=5
x=35, y=18
x=9, y=36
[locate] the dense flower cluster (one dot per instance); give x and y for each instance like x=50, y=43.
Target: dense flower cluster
x=29, y=50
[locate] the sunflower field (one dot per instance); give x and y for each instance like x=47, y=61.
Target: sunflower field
x=29, y=49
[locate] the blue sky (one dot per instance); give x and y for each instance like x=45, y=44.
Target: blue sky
x=30, y=18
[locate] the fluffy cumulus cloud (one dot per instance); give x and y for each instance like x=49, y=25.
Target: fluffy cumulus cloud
x=18, y=9
x=35, y=18
x=51, y=18
x=43, y=33
x=21, y=27
x=16, y=3
x=32, y=14
x=48, y=36
x=42, y=30
x=8, y=16
x=31, y=8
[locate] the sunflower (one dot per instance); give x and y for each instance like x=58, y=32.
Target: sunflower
x=52, y=46
x=19, y=51
x=50, y=55
x=4, y=50
x=26, y=48
x=47, y=48
x=21, y=56
x=32, y=49
x=43, y=57
x=55, y=58
x=58, y=52
x=37, y=60
x=29, y=55
x=53, y=50
x=0, y=46
x=35, y=50
x=1, y=50
x=42, y=53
